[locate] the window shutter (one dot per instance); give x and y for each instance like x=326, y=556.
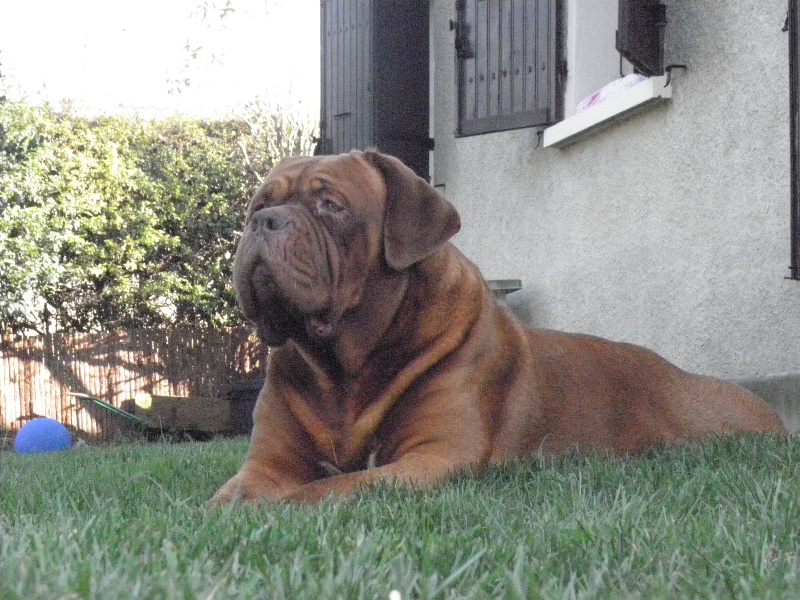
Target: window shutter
x=640, y=34
x=375, y=79
x=506, y=52
x=346, y=102
x=794, y=117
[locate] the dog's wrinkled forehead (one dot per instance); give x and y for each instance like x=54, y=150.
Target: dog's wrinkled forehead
x=348, y=175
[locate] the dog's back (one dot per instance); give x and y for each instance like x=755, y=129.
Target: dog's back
x=597, y=393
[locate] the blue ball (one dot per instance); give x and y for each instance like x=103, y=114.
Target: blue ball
x=42, y=435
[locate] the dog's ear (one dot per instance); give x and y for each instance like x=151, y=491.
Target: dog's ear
x=418, y=219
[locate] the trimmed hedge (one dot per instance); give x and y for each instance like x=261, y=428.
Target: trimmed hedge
x=119, y=221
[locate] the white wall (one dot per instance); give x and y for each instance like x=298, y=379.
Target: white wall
x=669, y=230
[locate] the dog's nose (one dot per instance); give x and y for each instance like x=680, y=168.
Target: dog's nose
x=271, y=219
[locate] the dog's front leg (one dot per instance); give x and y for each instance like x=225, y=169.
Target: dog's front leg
x=421, y=468
x=252, y=484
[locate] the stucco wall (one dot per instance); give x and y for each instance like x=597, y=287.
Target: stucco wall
x=671, y=229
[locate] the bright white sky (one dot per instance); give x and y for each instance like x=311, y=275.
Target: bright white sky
x=111, y=55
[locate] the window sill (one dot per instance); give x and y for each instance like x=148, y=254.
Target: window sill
x=650, y=92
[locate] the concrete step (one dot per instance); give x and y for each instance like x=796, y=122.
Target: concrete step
x=781, y=391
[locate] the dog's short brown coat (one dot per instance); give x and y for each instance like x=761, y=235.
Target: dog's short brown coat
x=391, y=359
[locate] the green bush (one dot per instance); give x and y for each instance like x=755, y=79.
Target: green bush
x=124, y=222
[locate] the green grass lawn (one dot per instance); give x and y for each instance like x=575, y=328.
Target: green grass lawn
x=715, y=521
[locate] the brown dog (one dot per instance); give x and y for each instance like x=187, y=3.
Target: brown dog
x=396, y=363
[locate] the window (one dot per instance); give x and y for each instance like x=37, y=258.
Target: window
x=605, y=40
x=508, y=67
x=375, y=87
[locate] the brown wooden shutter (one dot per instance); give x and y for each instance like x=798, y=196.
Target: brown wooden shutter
x=375, y=78
x=507, y=64
x=640, y=34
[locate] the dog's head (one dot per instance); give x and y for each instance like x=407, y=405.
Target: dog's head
x=320, y=227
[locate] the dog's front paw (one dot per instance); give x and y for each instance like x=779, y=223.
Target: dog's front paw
x=233, y=491
x=244, y=487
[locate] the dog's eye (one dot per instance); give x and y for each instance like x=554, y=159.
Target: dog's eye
x=329, y=205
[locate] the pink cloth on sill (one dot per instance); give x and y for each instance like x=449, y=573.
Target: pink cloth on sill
x=609, y=90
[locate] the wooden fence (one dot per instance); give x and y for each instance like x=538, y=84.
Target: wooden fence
x=36, y=373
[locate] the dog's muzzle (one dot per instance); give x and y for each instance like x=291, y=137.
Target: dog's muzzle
x=272, y=220
x=282, y=273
